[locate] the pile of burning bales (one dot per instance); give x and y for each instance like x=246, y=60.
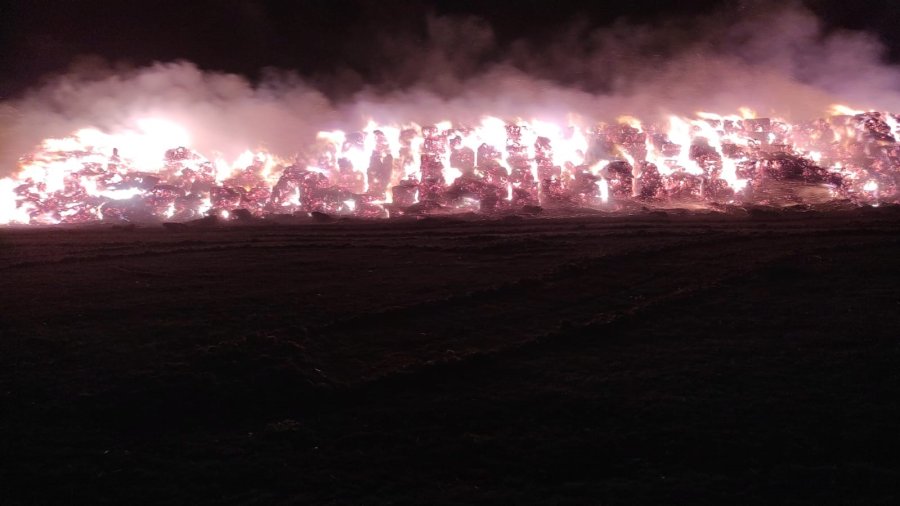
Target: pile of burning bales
x=492, y=167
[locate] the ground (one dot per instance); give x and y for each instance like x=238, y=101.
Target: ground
x=664, y=358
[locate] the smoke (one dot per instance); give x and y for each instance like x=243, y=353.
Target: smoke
x=775, y=60
x=222, y=112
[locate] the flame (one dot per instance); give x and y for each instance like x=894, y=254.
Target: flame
x=893, y=124
x=680, y=133
x=205, y=206
x=630, y=121
x=747, y=113
x=603, y=187
x=81, y=176
x=839, y=110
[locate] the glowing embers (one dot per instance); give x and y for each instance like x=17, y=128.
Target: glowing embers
x=151, y=172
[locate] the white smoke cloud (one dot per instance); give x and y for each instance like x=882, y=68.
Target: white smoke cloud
x=223, y=112
x=777, y=61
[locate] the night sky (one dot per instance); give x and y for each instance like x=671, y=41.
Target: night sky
x=318, y=37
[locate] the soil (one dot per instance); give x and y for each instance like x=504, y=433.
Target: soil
x=663, y=358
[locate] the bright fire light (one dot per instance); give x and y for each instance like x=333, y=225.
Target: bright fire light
x=152, y=170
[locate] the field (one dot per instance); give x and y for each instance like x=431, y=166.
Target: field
x=662, y=358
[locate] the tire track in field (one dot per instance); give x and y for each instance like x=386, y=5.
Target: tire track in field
x=596, y=291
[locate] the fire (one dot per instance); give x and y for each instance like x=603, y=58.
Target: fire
x=843, y=110
x=630, y=121
x=152, y=171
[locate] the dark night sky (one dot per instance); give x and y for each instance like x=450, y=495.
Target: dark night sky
x=314, y=37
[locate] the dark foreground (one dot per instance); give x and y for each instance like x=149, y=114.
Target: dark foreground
x=652, y=360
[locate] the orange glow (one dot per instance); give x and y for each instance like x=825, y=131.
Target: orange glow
x=88, y=167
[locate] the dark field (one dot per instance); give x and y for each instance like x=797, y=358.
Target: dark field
x=661, y=359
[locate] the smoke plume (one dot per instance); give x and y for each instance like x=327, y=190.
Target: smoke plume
x=776, y=61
